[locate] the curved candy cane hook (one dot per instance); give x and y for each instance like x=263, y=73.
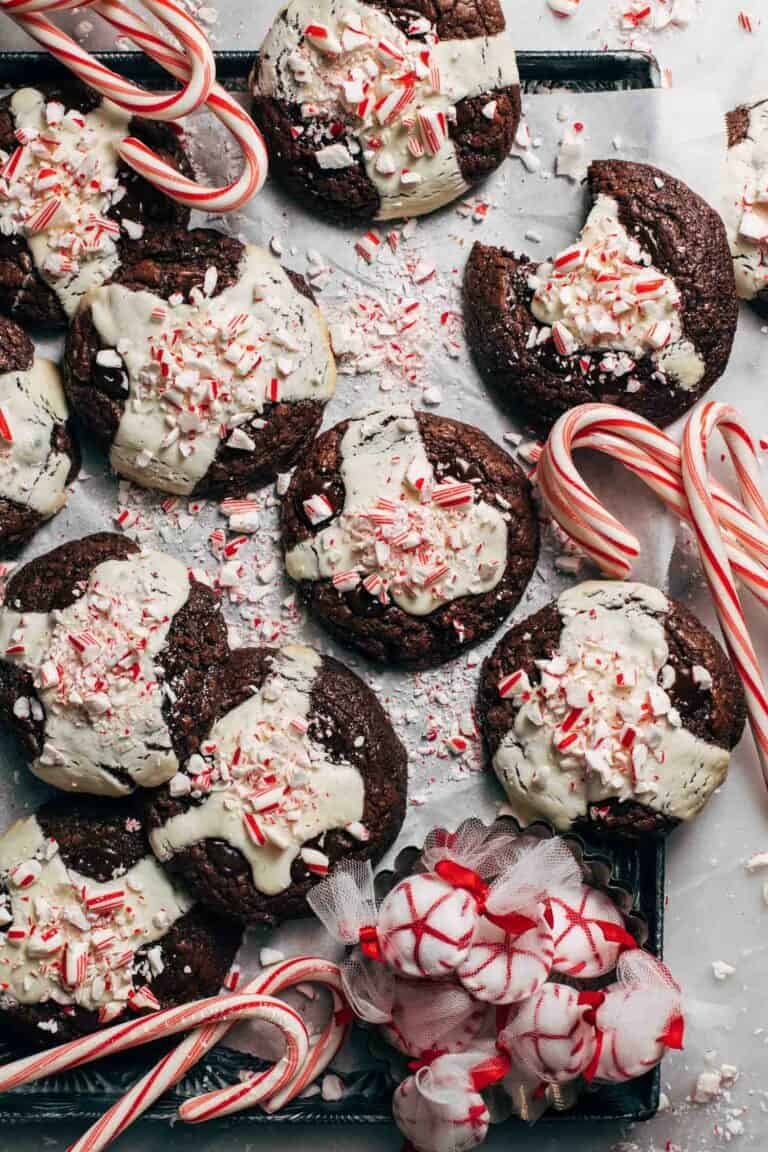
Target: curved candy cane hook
x=198, y=56
x=194, y=68
x=193, y=1047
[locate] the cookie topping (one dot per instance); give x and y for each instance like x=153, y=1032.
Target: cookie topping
x=604, y=293
x=746, y=204
x=203, y=371
x=70, y=939
x=95, y=671
x=596, y=722
x=374, y=94
x=57, y=187
x=409, y=536
x=264, y=783
x=32, y=472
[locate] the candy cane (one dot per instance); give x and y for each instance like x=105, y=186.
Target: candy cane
x=132, y=1033
x=705, y=420
x=653, y=456
x=681, y=480
x=199, y=64
x=168, y=1071
x=136, y=154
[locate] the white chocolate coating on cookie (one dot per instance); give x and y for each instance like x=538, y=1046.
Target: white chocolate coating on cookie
x=58, y=197
x=96, y=674
x=604, y=293
x=414, y=171
x=32, y=472
x=70, y=939
x=400, y=533
x=266, y=785
x=566, y=752
x=745, y=206
x=198, y=371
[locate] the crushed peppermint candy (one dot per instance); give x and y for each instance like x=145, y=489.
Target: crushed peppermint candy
x=61, y=182
x=72, y=940
x=410, y=536
x=604, y=293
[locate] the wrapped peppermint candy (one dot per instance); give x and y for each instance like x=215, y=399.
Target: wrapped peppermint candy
x=588, y=931
x=447, y=1020
x=440, y=1109
x=504, y=969
x=428, y=923
x=553, y=1034
x=511, y=953
x=640, y=1018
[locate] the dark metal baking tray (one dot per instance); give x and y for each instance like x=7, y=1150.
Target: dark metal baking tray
x=637, y=868
x=633, y=872
x=539, y=71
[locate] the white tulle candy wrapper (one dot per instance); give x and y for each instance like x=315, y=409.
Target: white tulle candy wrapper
x=446, y=1019
x=640, y=1018
x=553, y=1034
x=588, y=932
x=345, y=904
x=504, y=969
x=440, y=1109
x=473, y=846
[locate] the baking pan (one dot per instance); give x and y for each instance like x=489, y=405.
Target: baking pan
x=636, y=869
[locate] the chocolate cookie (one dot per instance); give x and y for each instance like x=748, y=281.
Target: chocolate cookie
x=640, y=312
x=204, y=366
x=613, y=707
x=745, y=205
x=39, y=455
x=92, y=929
x=301, y=768
x=386, y=109
x=411, y=536
x=108, y=652
x=70, y=209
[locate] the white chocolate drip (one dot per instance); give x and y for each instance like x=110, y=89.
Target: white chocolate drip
x=396, y=94
x=70, y=939
x=605, y=293
x=58, y=191
x=198, y=371
x=599, y=725
x=32, y=473
x=267, y=786
x=745, y=207
x=406, y=537
x=95, y=669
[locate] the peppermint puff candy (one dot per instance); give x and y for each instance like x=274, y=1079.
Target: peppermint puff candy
x=426, y=926
x=509, y=961
x=440, y=1109
x=428, y=923
x=504, y=969
x=588, y=932
x=639, y=1019
x=553, y=1034
x=446, y=1020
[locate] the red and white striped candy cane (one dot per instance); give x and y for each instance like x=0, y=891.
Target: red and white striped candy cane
x=160, y=1025
x=680, y=478
x=705, y=420
x=168, y=1071
x=181, y=65
x=653, y=456
x=200, y=67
